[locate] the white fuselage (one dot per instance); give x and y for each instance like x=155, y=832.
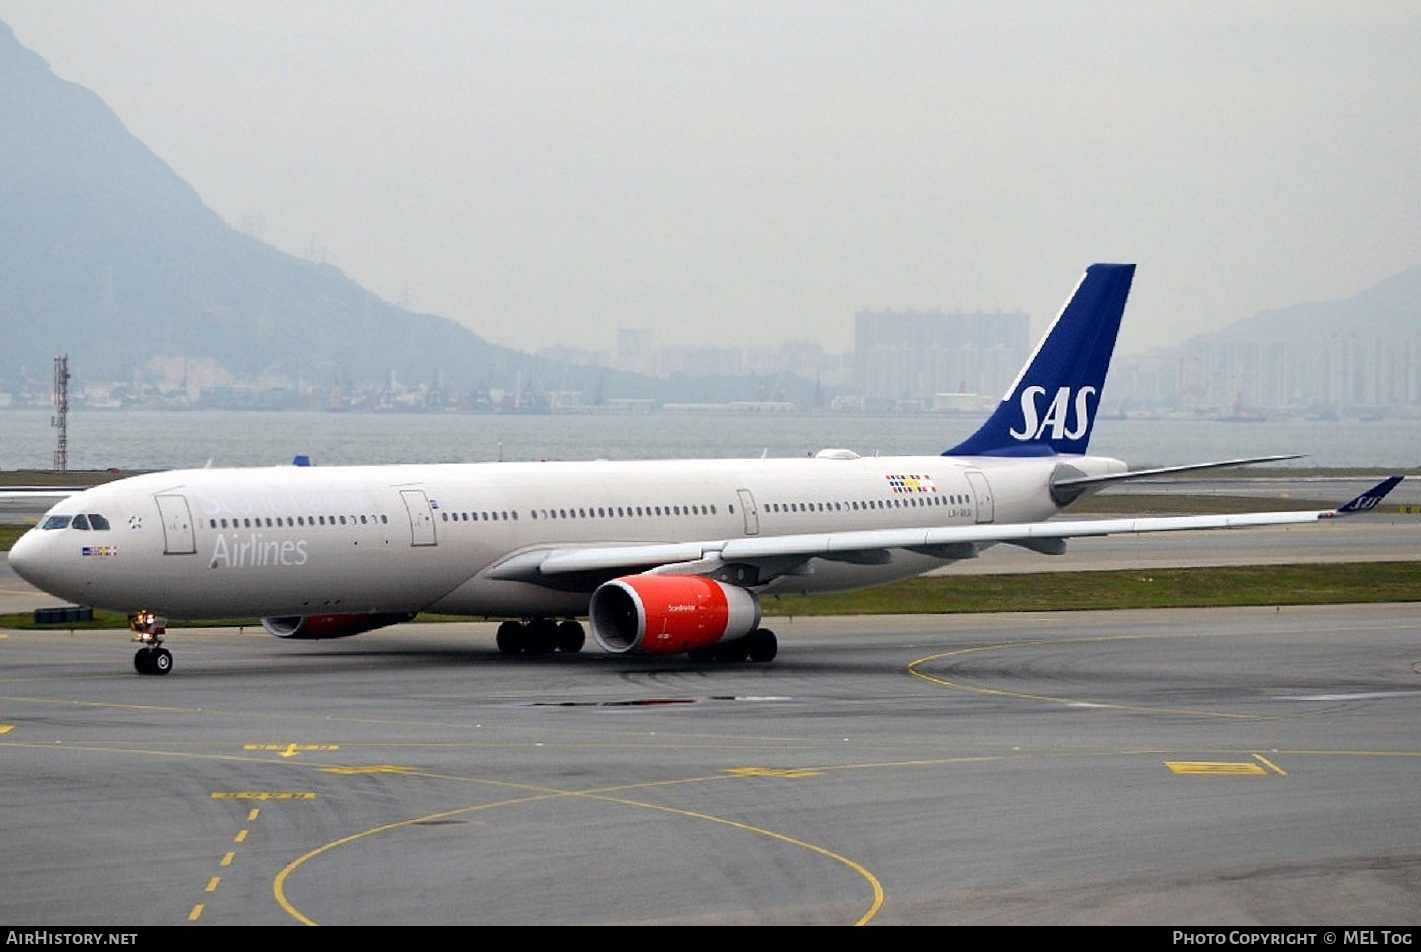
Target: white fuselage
x=312, y=540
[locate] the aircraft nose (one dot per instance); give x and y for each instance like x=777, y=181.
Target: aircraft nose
x=23, y=555
x=54, y=562
x=27, y=558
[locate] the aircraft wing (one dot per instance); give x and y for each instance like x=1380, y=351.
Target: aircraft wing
x=40, y=492
x=773, y=555
x=27, y=503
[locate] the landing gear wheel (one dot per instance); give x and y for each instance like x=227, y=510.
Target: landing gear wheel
x=570, y=637
x=153, y=661
x=733, y=651
x=510, y=638
x=762, y=645
x=161, y=662
x=541, y=636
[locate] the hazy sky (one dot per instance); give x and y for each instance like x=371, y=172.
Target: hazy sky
x=753, y=171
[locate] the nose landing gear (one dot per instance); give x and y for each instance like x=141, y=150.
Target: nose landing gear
x=148, y=630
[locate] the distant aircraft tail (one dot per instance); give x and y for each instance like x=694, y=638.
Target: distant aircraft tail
x=1051, y=406
x=1368, y=500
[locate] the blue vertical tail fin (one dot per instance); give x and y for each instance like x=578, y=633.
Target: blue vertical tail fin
x=1051, y=406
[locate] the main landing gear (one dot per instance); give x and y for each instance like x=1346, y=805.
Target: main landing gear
x=148, y=630
x=760, y=645
x=540, y=636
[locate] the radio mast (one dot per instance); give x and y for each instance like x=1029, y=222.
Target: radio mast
x=60, y=420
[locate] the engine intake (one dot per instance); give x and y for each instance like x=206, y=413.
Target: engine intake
x=669, y=614
x=318, y=627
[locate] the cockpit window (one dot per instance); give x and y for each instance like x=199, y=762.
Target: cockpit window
x=84, y=520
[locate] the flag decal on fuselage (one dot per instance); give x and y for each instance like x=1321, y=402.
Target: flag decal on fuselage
x=911, y=483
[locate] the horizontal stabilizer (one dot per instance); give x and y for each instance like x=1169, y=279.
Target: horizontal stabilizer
x=1068, y=483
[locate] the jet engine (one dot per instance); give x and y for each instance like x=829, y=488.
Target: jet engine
x=669, y=614
x=316, y=627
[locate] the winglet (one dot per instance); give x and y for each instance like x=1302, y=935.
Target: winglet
x=1368, y=500
x=1051, y=405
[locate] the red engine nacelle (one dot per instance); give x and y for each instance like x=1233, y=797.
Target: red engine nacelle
x=669, y=614
x=316, y=627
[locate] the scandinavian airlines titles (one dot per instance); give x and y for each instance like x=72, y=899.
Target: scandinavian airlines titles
x=254, y=551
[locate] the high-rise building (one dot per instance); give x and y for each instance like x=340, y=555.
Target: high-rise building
x=915, y=355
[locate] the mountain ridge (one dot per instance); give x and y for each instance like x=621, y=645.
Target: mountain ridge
x=1389, y=308
x=111, y=257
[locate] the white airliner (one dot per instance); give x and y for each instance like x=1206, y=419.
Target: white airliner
x=664, y=557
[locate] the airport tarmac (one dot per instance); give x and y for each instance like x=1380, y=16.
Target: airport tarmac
x=1200, y=767
x=1206, y=767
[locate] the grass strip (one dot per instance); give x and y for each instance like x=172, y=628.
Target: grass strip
x=1212, y=586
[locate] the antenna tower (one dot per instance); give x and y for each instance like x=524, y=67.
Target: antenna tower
x=60, y=420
